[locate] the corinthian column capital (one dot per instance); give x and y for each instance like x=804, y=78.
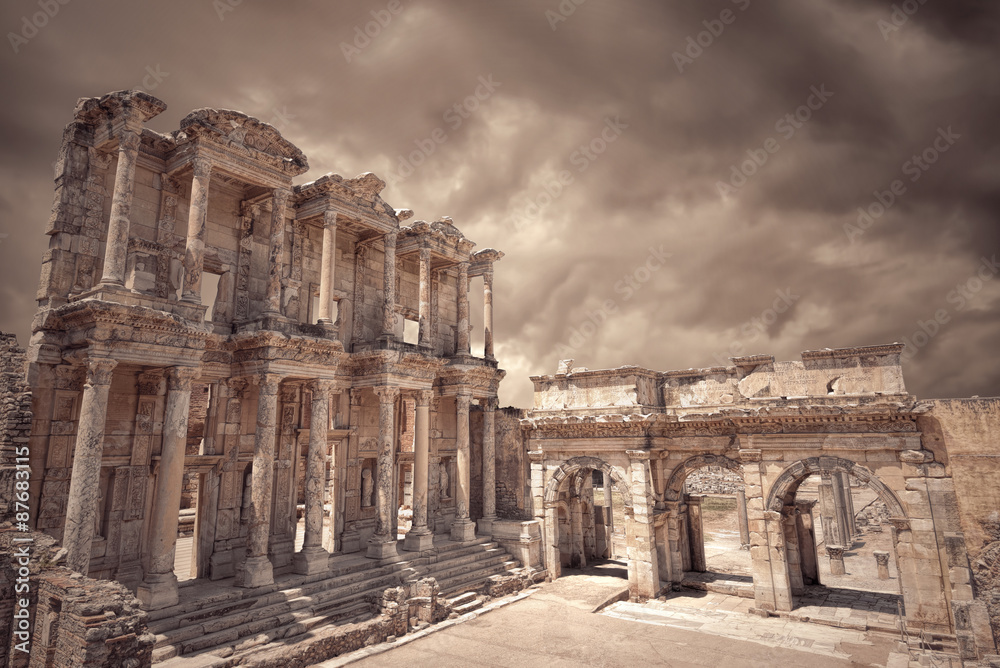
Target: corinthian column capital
x=181, y=377
x=386, y=394
x=100, y=370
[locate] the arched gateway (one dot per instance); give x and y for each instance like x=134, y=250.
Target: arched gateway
x=850, y=419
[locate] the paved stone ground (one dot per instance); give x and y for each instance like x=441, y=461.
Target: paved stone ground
x=555, y=626
x=820, y=606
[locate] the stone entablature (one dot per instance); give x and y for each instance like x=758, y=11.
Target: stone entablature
x=862, y=375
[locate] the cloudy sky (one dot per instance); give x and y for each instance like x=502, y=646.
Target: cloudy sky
x=673, y=183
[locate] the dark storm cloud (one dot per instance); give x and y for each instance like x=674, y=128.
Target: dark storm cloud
x=575, y=280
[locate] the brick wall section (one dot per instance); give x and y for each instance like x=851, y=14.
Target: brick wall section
x=15, y=417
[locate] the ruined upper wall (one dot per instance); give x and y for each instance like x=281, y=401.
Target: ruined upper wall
x=869, y=371
x=205, y=224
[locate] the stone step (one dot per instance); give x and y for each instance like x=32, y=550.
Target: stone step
x=474, y=579
x=453, y=551
x=462, y=599
x=465, y=567
x=231, y=652
x=239, y=622
x=457, y=558
x=474, y=604
x=220, y=629
x=261, y=597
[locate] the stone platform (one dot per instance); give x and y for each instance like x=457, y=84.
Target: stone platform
x=218, y=622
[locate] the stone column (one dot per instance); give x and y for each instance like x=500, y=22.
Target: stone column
x=425, y=298
x=389, y=286
x=463, y=529
x=84, y=484
x=578, y=557
x=383, y=544
x=463, y=309
x=116, y=249
x=807, y=541
x=840, y=505
x=194, y=253
x=420, y=536
x=610, y=516
x=488, y=312
x=836, y=554
x=272, y=294
x=644, y=573
x=829, y=512
x=741, y=516
x=697, y=533
x=328, y=267
x=313, y=558
x=257, y=570
x=159, y=585
x=489, y=405
x=882, y=562
x=850, y=525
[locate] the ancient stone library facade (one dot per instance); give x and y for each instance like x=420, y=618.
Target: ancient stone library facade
x=282, y=376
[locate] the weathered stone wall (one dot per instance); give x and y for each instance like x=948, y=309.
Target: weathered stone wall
x=74, y=620
x=15, y=418
x=970, y=432
x=713, y=480
x=513, y=472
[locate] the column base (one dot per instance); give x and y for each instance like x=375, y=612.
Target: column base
x=463, y=530
x=418, y=542
x=257, y=572
x=485, y=526
x=350, y=542
x=157, y=590
x=311, y=560
x=381, y=549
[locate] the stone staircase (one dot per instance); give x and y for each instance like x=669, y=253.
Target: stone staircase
x=220, y=623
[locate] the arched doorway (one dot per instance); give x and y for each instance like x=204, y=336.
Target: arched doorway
x=790, y=547
x=578, y=529
x=705, y=536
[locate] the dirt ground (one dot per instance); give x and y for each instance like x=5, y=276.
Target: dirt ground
x=722, y=537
